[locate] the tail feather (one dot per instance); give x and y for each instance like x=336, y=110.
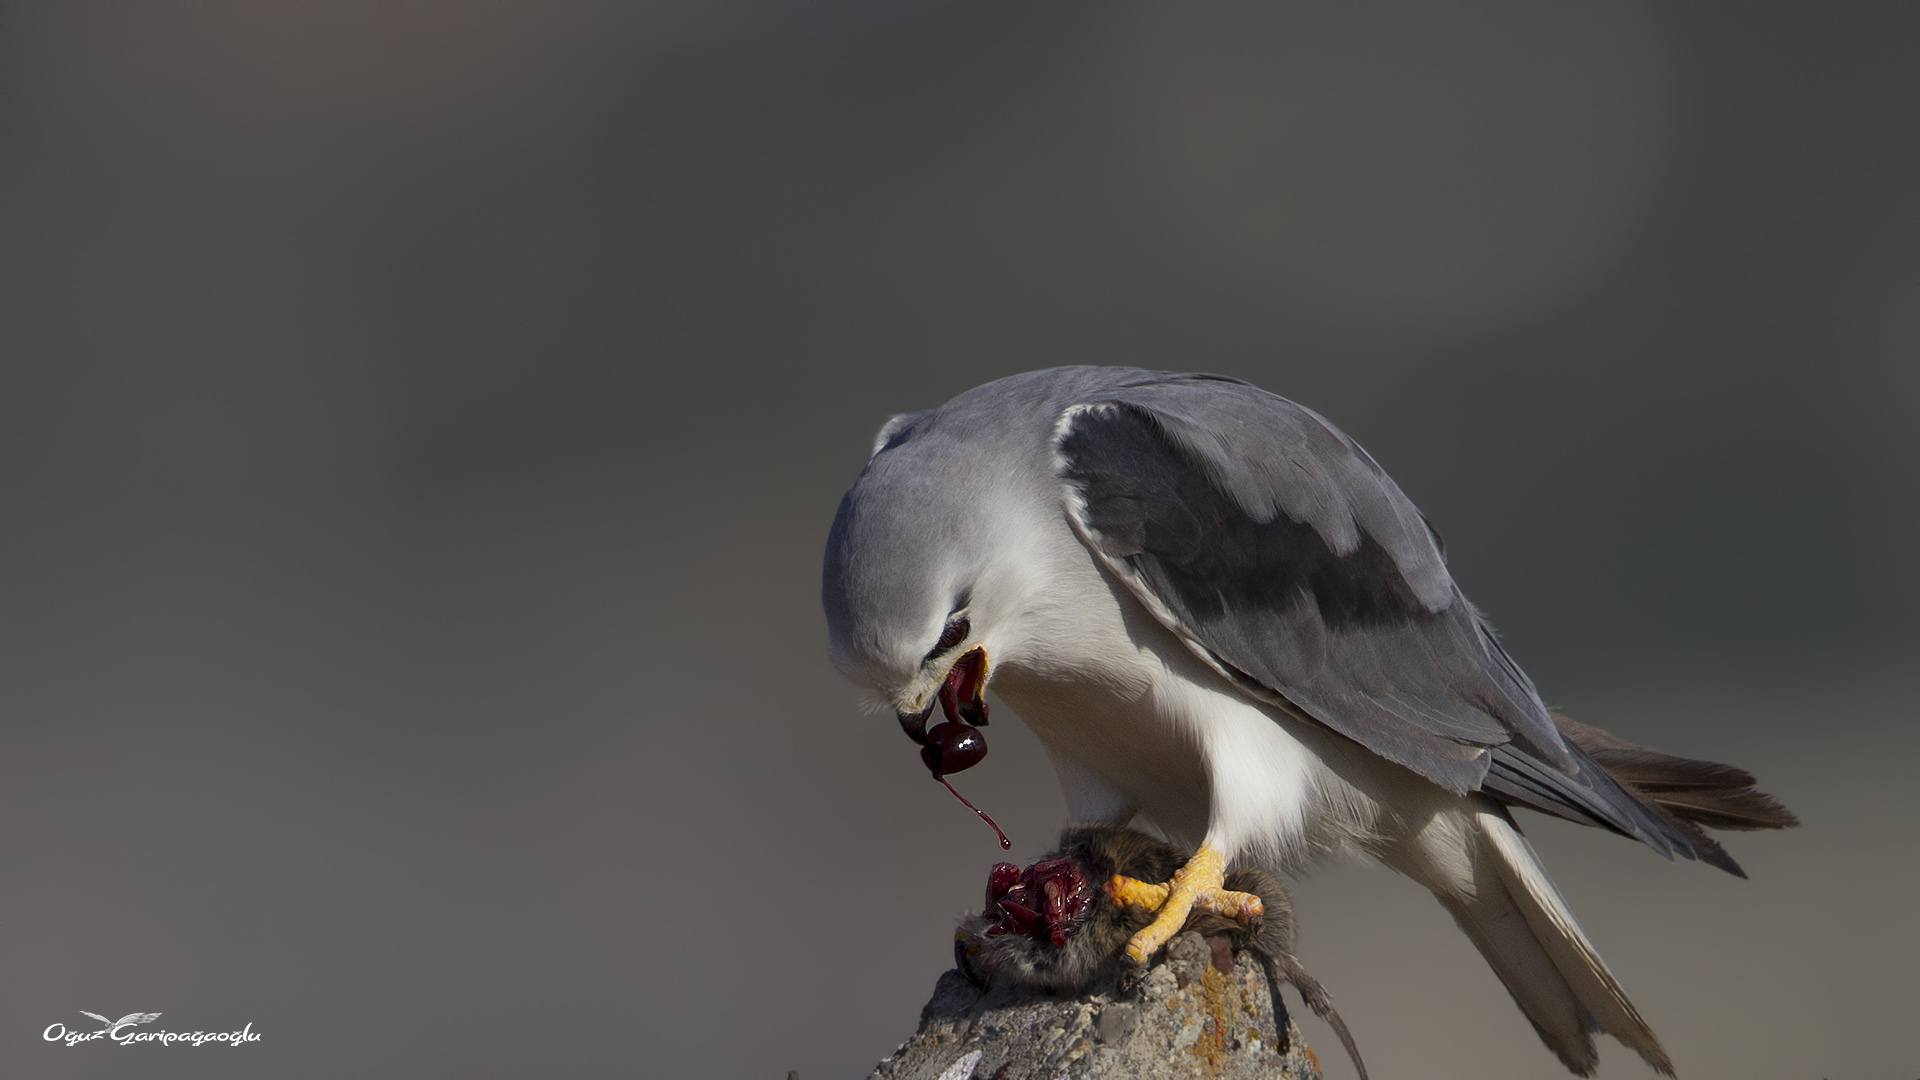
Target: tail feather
x=1742, y=811
x=1518, y=921
x=1499, y=931
x=1690, y=794
x=1703, y=792
x=1513, y=914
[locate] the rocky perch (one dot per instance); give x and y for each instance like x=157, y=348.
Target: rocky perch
x=1184, y=1018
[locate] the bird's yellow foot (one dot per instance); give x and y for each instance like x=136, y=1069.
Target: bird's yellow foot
x=1133, y=892
x=1197, y=885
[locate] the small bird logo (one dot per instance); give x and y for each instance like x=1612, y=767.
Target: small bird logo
x=113, y=1026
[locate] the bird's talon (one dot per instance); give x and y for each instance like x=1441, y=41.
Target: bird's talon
x=1132, y=892
x=1238, y=906
x=1196, y=886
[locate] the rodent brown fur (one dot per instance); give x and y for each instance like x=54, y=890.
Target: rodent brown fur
x=1094, y=953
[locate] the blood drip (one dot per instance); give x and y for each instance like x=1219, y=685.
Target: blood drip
x=1004, y=842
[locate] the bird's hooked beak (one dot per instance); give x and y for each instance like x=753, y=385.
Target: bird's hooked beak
x=960, y=695
x=954, y=745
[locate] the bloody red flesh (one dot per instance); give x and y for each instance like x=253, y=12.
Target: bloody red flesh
x=1002, y=877
x=952, y=747
x=956, y=744
x=1046, y=902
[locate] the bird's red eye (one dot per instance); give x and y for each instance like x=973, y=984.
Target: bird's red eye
x=954, y=634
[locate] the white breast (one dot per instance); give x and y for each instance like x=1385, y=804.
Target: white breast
x=1135, y=722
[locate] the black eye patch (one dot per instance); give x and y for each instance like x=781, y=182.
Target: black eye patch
x=954, y=634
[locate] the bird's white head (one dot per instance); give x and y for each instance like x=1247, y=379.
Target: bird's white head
x=926, y=583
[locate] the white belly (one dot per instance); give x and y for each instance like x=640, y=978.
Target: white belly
x=1135, y=723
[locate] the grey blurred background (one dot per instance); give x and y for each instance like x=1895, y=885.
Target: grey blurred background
x=420, y=422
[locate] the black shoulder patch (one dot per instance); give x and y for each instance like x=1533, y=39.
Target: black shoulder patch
x=1342, y=638
x=1144, y=497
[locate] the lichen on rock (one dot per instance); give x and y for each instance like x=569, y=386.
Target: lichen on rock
x=1183, y=1018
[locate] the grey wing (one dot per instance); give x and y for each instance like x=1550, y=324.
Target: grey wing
x=1287, y=559
x=97, y=1016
